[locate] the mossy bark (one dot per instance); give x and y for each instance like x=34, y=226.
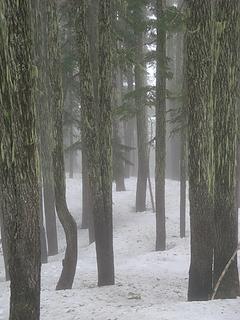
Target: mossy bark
x=225, y=87
x=200, y=136
x=19, y=160
x=96, y=131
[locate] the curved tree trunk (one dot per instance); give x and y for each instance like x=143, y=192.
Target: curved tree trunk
x=18, y=160
x=67, y=221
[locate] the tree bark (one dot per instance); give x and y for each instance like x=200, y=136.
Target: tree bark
x=96, y=131
x=44, y=132
x=18, y=161
x=5, y=249
x=225, y=87
x=142, y=125
x=67, y=221
x=200, y=122
x=129, y=129
x=160, y=130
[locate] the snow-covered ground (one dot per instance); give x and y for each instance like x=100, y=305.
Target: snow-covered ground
x=149, y=285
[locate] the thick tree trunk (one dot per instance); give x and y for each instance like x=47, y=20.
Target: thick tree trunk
x=142, y=124
x=225, y=136
x=18, y=160
x=160, y=130
x=96, y=131
x=67, y=221
x=200, y=122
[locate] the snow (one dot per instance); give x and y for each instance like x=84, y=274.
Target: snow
x=149, y=285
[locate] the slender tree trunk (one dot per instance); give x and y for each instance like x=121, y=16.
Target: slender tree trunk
x=130, y=125
x=225, y=137
x=160, y=130
x=118, y=164
x=18, y=160
x=71, y=152
x=87, y=192
x=44, y=252
x=67, y=221
x=40, y=86
x=5, y=249
x=183, y=181
x=200, y=122
x=142, y=125
x=184, y=147
x=44, y=132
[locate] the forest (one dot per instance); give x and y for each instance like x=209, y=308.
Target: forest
x=119, y=159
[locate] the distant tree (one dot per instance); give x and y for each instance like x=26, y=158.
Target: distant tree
x=200, y=135
x=160, y=127
x=141, y=112
x=225, y=87
x=67, y=221
x=19, y=187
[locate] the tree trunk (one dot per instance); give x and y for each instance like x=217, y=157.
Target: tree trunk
x=129, y=129
x=96, y=132
x=142, y=125
x=44, y=132
x=160, y=130
x=71, y=152
x=118, y=162
x=200, y=121
x=39, y=59
x=44, y=252
x=183, y=181
x=4, y=249
x=18, y=160
x=103, y=218
x=225, y=135
x=184, y=147
x=67, y=221
x=87, y=192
